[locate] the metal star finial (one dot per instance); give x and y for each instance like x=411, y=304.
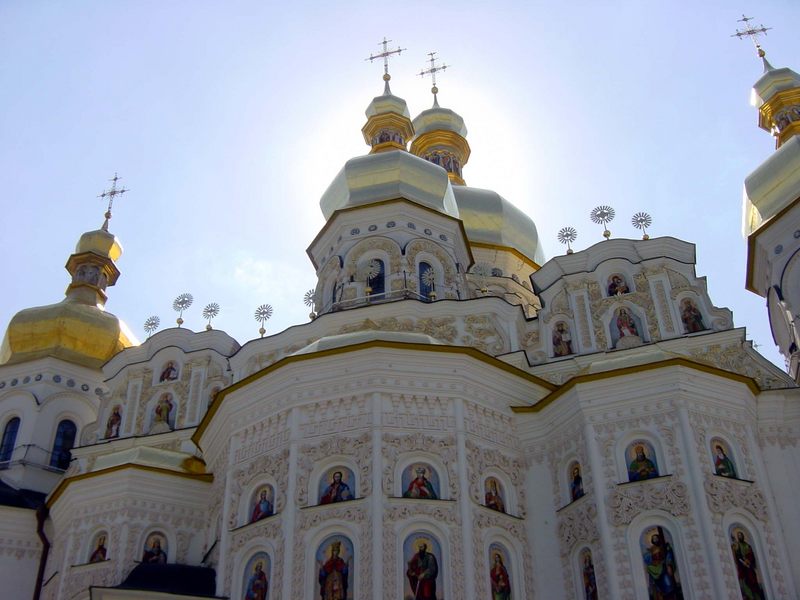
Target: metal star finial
x=642, y=220
x=385, y=55
x=262, y=315
x=209, y=312
x=151, y=324
x=751, y=32
x=110, y=195
x=308, y=300
x=603, y=215
x=180, y=304
x=568, y=235
x=432, y=70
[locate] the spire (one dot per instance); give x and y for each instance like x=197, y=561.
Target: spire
x=110, y=195
x=432, y=70
x=777, y=92
x=388, y=125
x=385, y=55
x=441, y=134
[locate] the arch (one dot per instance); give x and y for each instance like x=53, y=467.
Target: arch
x=420, y=476
x=632, y=466
x=321, y=477
x=494, y=494
x=161, y=412
x=113, y=422
x=724, y=458
x=574, y=480
x=169, y=371
x=501, y=572
x=9, y=439
x=98, y=547
x=334, y=563
x=64, y=441
x=691, y=313
x=260, y=503
x=336, y=484
x=418, y=570
x=625, y=321
x=617, y=284
x=244, y=565
x=733, y=522
x=156, y=547
x=584, y=571
x=256, y=577
x=670, y=549
x=561, y=338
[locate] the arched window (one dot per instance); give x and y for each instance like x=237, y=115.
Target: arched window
x=65, y=440
x=378, y=281
x=9, y=439
x=426, y=281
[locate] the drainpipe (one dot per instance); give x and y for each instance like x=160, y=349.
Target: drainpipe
x=41, y=516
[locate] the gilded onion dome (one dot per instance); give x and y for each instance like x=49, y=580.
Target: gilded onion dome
x=441, y=139
x=777, y=96
x=388, y=125
x=491, y=221
x=77, y=329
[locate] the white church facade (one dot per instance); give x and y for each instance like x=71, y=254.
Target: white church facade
x=459, y=420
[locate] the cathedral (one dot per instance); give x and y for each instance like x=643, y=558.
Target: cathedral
x=460, y=419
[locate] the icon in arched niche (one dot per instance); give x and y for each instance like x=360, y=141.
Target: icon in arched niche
x=334, y=566
x=163, y=414
x=660, y=564
x=723, y=463
x=256, y=577
x=493, y=494
x=617, y=285
x=562, y=339
x=114, y=422
x=588, y=577
x=750, y=581
x=337, y=485
x=420, y=480
x=691, y=316
x=263, y=503
x=422, y=555
x=641, y=460
x=169, y=372
x=575, y=481
x=155, y=549
x=99, y=548
x=499, y=577
x=625, y=328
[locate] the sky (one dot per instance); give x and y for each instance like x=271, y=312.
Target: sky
x=227, y=121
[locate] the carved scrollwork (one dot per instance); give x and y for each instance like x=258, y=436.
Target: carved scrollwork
x=577, y=523
x=395, y=445
x=723, y=494
x=627, y=501
x=481, y=459
x=359, y=448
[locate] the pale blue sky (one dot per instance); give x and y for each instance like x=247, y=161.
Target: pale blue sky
x=227, y=120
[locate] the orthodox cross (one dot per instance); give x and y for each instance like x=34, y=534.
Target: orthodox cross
x=111, y=194
x=432, y=72
x=751, y=32
x=385, y=55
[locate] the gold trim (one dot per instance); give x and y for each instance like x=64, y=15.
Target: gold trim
x=751, y=244
x=531, y=263
x=670, y=362
x=386, y=202
x=62, y=485
x=287, y=360
x=388, y=120
x=441, y=137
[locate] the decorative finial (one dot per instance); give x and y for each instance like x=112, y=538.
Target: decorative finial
x=432, y=72
x=180, y=304
x=263, y=313
x=752, y=32
x=308, y=300
x=385, y=56
x=429, y=279
x=568, y=235
x=111, y=194
x=370, y=271
x=603, y=215
x=642, y=220
x=209, y=312
x=151, y=324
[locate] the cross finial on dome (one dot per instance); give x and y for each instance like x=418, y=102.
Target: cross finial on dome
x=432, y=72
x=752, y=32
x=111, y=194
x=385, y=55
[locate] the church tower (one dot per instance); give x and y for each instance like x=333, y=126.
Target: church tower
x=771, y=219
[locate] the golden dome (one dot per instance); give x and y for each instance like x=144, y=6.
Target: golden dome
x=72, y=331
x=100, y=242
x=492, y=221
